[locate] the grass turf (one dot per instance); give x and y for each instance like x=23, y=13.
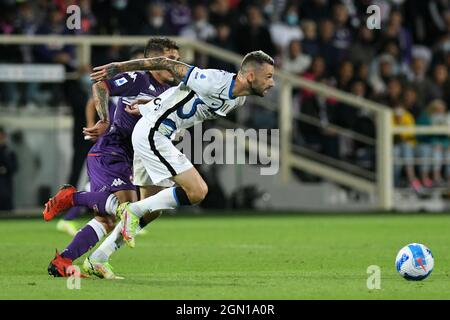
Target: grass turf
x=238, y=257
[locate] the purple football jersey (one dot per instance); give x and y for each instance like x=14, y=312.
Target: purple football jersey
x=110, y=160
x=128, y=87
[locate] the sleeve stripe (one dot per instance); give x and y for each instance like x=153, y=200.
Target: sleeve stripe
x=186, y=77
x=230, y=91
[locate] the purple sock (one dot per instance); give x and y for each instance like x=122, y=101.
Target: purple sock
x=93, y=200
x=73, y=213
x=83, y=241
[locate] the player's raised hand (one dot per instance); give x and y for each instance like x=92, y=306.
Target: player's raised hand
x=105, y=72
x=96, y=131
x=133, y=108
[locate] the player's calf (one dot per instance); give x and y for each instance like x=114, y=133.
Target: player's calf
x=197, y=194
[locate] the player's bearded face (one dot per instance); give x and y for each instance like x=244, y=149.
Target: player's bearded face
x=262, y=80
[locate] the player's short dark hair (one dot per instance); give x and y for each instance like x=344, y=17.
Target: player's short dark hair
x=256, y=58
x=158, y=45
x=136, y=50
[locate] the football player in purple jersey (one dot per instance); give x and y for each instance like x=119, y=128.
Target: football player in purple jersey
x=110, y=161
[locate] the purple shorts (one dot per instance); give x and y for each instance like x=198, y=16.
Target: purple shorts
x=109, y=173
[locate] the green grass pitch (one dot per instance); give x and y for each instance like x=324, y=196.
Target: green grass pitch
x=238, y=257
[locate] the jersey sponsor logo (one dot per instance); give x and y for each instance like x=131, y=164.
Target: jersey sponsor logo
x=117, y=182
x=120, y=82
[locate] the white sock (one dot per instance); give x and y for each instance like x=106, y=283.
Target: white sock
x=111, y=244
x=163, y=200
x=111, y=204
x=98, y=228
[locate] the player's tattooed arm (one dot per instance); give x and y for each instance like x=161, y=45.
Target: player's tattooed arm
x=101, y=97
x=177, y=68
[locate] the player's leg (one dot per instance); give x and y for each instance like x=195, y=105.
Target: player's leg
x=192, y=189
x=95, y=230
x=162, y=161
x=98, y=262
x=67, y=224
x=103, y=178
x=146, y=192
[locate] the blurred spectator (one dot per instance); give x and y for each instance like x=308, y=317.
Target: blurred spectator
x=417, y=77
x=310, y=44
x=432, y=148
x=156, y=24
x=440, y=86
x=21, y=23
x=317, y=136
x=253, y=34
x=55, y=24
x=345, y=75
x=404, y=145
x=362, y=50
x=393, y=95
x=8, y=166
x=410, y=101
x=222, y=13
x=200, y=28
x=381, y=70
x=363, y=123
x=294, y=60
x=315, y=10
x=326, y=44
x=88, y=19
x=222, y=39
x=287, y=29
x=343, y=32
x=272, y=10
x=362, y=73
x=394, y=31
x=179, y=15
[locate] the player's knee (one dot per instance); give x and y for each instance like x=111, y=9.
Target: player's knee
x=107, y=222
x=198, y=194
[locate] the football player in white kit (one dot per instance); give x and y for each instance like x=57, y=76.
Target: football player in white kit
x=202, y=94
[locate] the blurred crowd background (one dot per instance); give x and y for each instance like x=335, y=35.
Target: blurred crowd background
x=403, y=65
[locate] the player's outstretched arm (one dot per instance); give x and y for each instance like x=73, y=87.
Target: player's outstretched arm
x=177, y=68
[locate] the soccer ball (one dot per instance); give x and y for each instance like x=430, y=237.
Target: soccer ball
x=414, y=262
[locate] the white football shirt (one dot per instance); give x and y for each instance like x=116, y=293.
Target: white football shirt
x=203, y=94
